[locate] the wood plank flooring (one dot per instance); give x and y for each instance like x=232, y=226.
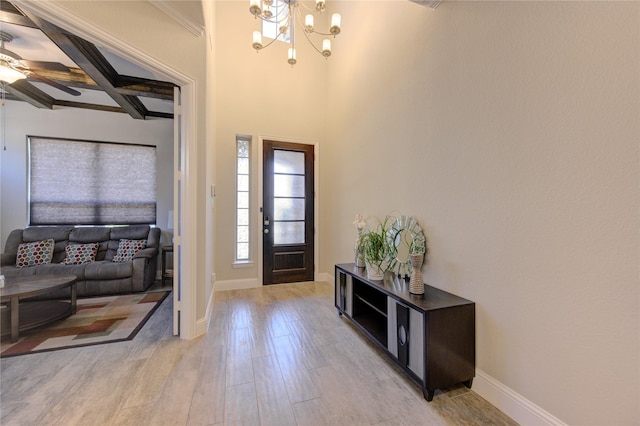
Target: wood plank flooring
x=277, y=355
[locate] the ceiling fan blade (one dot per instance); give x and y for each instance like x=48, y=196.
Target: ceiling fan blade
x=45, y=65
x=53, y=84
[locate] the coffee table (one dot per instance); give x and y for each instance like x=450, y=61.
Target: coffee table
x=23, y=314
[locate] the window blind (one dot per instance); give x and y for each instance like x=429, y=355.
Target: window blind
x=91, y=183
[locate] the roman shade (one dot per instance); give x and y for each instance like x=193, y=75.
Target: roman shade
x=91, y=183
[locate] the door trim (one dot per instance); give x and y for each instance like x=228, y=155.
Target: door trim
x=316, y=203
x=186, y=267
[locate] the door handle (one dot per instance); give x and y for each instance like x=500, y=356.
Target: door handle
x=266, y=230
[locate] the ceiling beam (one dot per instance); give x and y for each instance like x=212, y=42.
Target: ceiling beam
x=15, y=18
x=25, y=91
x=11, y=15
x=87, y=56
x=145, y=87
x=15, y=95
x=100, y=74
x=107, y=108
x=125, y=85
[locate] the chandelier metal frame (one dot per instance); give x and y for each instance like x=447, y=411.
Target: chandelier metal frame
x=286, y=18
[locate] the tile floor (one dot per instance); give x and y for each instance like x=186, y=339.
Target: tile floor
x=277, y=355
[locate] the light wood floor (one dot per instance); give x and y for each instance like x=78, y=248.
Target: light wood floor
x=278, y=355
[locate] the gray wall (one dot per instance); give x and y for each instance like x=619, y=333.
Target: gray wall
x=22, y=119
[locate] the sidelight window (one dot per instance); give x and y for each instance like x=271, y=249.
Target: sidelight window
x=243, y=242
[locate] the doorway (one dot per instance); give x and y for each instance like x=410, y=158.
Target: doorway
x=288, y=224
x=185, y=232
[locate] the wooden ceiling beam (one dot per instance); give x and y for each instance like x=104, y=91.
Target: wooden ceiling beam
x=125, y=85
x=89, y=58
x=74, y=78
x=15, y=18
x=96, y=73
x=145, y=87
x=25, y=91
x=106, y=108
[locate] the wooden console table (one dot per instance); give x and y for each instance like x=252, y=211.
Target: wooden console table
x=431, y=336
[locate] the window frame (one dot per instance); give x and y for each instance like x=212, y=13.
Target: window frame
x=248, y=261
x=95, y=220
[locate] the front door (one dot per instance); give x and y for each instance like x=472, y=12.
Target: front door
x=287, y=217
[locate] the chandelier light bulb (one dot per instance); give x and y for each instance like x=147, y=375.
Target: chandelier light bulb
x=326, y=47
x=335, y=24
x=308, y=23
x=280, y=19
x=292, y=56
x=254, y=7
x=257, y=40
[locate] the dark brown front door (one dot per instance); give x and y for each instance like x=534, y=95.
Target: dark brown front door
x=287, y=216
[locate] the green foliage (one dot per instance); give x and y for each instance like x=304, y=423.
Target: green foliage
x=375, y=245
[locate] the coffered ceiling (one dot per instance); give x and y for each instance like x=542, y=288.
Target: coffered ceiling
x=65, y=71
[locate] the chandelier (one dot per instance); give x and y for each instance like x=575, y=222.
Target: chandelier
x=285, y=16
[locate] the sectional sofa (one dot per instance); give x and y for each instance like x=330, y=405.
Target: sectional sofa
x=106, y=260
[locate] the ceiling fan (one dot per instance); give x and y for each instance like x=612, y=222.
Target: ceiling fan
x=13, y=67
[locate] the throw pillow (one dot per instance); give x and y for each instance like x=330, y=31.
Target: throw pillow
x=127, y=249
x=35, y=253
x=77, y=254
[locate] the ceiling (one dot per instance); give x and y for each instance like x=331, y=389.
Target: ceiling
x=104, y=80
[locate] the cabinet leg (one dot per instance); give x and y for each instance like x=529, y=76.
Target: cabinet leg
x=428, y=395
x=339, y=312
x=468, y=383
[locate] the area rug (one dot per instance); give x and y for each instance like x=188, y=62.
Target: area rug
x=97, y=321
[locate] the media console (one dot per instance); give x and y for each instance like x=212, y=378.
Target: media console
x=431, y=336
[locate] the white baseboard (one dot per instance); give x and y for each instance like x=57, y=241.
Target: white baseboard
x=202, y=325
x=325, y=277
x=512, y=403
x=235, y=284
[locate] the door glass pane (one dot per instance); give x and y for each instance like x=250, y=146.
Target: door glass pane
x=243, y=217
x=243, y=183
x=288, y=162
x=243, y=200
x=243, y=234
x=243, y=148
x=288, y=186
x=243, y=166
x=288, y=232
x=243, y=251
x=288, y=209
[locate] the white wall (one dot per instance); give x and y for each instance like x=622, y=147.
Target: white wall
x=22, y=119
x=510, y=130
x=258, y=94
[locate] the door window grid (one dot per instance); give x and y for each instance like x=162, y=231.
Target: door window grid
x=243, y=243
x=289, y=197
